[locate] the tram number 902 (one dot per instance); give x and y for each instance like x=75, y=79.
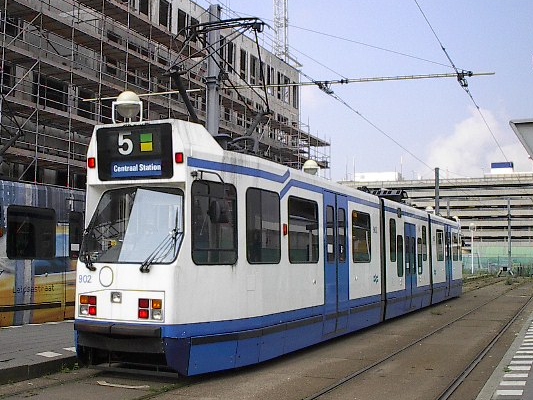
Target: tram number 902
x=84, y=278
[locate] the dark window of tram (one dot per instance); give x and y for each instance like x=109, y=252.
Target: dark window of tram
x=455, y=248
x=303, y=230
x=262, y=227
x=392, y=239
x=460, y=238
x=330, y=238
x=424, y=244
x=31, y=233
x=341, y=233
x=399, y=255
x=440, y=245
x=214, y=220
x=420, y=255
x=410, y=255
x=361, y=244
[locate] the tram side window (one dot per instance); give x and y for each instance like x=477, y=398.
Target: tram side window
x=214, y=223
x=31, y=233
x=440, y=245
x=303, y=230
x=341, y=233
x=262, y=227
x=455, y=248
x=361, y=238
x=420, y=255
x=399, y=247
x=460, y=248
x=424, y=244
x=330, y=237
x=392, y=239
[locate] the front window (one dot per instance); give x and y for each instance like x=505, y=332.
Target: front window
x=135, y=225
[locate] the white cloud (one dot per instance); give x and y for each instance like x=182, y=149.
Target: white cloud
x=471, y=148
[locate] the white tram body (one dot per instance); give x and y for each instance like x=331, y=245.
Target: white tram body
x=204, y=259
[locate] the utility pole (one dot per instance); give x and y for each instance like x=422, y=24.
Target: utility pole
x=509, y=234
x=437, y=198
x=213, y=74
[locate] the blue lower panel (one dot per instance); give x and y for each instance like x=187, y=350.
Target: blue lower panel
x=440, y=292
x=209, y=353
x=207, y=356
x=363, y=316
x=303, y=335
x=456, y=288
x=421, y=297
x=247, y=351
x=272, y=345
x=396, y=306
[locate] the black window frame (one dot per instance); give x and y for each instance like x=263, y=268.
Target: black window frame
x=263, y=208
x=363, y=224
x=303, y=212
x=214, y=207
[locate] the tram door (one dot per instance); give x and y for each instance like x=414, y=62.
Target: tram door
x=336, y=263
x=410, y=264
x=448, y=258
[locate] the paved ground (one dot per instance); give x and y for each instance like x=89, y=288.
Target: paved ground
x=29, y=351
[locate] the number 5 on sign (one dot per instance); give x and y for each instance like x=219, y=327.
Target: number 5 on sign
x=125, y=144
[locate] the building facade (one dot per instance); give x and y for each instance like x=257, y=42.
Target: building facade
x=491, y=209
x=63, y=62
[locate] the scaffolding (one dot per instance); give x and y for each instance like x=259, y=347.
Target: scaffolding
x=64, y=61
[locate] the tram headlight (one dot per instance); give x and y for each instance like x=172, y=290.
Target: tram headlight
x=116, y=297
x=157, y=315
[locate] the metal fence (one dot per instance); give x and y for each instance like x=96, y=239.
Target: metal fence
x=520, y=266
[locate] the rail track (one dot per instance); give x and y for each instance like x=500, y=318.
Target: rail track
x=426, y=355
x=454, y=383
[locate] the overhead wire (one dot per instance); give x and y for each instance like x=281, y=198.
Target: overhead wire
x=461, y=78
x=460, y=74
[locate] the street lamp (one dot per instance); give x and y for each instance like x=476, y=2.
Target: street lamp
x=472, y=228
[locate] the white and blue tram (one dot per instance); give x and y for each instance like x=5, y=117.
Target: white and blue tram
x=203, y=259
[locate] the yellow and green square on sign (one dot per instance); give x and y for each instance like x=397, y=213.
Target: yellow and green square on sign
x=146, y=142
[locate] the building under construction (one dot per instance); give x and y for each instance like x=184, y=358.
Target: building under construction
x=63, y=62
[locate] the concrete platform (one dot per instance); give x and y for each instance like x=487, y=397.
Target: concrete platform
x=30, y=351
x=513, y=377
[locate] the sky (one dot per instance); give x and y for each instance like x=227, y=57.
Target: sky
x=411, y=126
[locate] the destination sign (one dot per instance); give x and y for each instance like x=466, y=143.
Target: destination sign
x=135, y=152
x=139, y=168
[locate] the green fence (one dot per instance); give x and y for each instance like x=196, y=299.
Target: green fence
x=521, y=266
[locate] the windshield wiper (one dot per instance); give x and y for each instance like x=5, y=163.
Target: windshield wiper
x=86, y=259
x=162, y=250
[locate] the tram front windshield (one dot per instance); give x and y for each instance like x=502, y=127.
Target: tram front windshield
x=134, y=225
